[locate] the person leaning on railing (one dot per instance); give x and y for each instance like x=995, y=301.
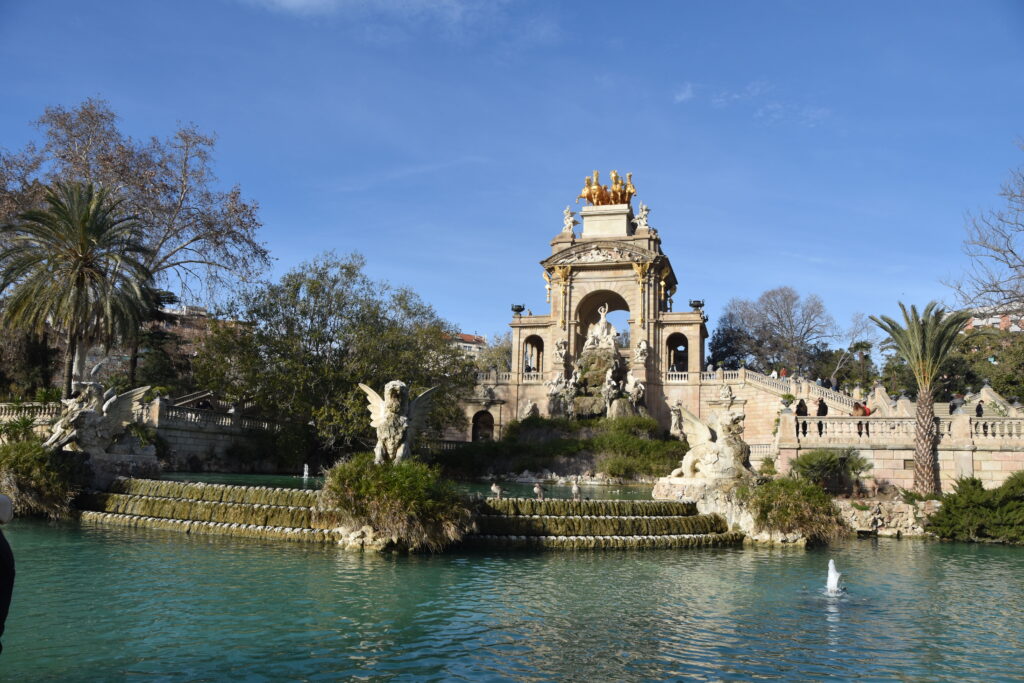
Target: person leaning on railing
x=862, y=411
x=822, y=411
x=801, y=411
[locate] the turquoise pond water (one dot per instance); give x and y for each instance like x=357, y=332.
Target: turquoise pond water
x=96, y=603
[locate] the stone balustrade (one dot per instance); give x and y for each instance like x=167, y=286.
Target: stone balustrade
x=42, y=412
x=532, y=377
x=759, y=451
x=990, y=448
x=493, y=377
x=1009, y=429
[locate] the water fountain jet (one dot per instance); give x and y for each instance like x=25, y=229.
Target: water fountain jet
x=832, y=583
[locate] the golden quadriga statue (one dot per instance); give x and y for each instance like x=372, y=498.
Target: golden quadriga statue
x=620, y=192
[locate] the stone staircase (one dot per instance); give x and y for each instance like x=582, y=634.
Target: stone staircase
x=633, y=524
x=212, y=509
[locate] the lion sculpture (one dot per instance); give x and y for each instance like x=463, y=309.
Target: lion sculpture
x=717, y=449
x=396, y=419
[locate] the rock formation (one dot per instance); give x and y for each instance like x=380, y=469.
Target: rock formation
x=95, y=422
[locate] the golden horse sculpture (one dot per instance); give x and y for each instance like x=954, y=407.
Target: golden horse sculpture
x=621, y=192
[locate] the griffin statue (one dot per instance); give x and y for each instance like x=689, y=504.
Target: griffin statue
x=396, y=419
x=717, y=449
x=93, y=420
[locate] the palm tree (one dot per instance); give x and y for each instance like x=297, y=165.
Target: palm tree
x=78, y=266
x=925, y=341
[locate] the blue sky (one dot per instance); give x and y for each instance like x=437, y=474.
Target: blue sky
x=833, y=147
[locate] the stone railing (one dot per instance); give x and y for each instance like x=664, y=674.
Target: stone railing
x=989, y=448
x=681, y=377
x=831, y=397
x=781, y=386
x=166, y=415
x=900, y=432
x=759, y=451
x=532, y=377
x=195, y=416
x=493, y=377
x=42, y=412
x=814, y=431
x=997, y=429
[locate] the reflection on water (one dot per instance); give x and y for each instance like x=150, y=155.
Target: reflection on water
x=110, y=603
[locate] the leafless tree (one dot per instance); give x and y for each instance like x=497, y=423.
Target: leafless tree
x=781, y=327
x=994, y=281
x=859, y=337
x=204, y=238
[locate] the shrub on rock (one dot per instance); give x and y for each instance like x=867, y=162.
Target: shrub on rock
x=40, y=481
x=408, y=501
x=790, y=505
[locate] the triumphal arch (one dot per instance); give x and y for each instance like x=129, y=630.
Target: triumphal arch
x=610, y=260
x=572, y=362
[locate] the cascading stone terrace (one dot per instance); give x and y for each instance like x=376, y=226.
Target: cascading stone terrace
x=293, y=514
x=596, y=524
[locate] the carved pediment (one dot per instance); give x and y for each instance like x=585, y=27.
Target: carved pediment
x=601, y=252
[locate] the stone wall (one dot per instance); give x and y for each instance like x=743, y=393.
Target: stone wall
x=203, y=440
x=506, y=395
x=198, y=440
x=987, y=448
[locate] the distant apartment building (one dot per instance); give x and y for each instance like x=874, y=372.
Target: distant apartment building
x=991, y=320
x=472, y=344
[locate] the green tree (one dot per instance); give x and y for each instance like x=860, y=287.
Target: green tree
x=496, y=356
x=308, y=340
x=78, y=266
x=925, y=340
x=730, y=345
x=996, y=356
x=202, y=238
x=779, y=329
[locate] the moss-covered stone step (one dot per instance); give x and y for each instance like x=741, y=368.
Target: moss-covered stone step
x=221, y=493
x=279, y=533
x=623, y=525
x=579, y=508
x=639, y=542
x=204, y=510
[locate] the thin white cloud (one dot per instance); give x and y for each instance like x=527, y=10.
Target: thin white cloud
x=683, y=94
x=448, y=13
x=365, y=182
x=752, y=90
x=387, y=22
x=776, y=112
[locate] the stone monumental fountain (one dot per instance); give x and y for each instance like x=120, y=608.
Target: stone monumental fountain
x=715, y=471
x=96, y=423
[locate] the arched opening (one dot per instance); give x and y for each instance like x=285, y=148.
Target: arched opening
x=677, y=354
x=587, y=314
x=533, y=354
x=483, y=426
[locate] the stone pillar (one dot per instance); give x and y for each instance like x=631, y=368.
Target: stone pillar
x=611, y=220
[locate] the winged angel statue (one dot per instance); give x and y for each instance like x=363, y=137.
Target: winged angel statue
x=396, y=419
x=93, y=420
x=717, y=449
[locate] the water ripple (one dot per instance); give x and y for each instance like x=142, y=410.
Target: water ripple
x=96, y=603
